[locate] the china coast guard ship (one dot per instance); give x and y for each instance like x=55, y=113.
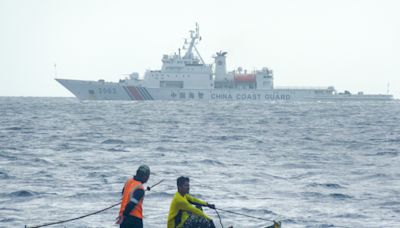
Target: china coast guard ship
x=188, y=77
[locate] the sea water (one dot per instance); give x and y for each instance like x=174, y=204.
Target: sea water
x=306, y=164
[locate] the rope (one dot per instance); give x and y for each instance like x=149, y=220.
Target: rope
x=93, y=213
x=220, y=221
x=149, y=188
x=68, y=220
x=245, y=215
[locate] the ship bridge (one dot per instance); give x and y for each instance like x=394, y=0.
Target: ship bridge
x=182, y=72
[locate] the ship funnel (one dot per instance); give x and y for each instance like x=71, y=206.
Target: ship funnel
x=220, y=66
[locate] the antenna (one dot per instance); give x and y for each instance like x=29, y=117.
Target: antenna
x=55, y=70
x=388, y=85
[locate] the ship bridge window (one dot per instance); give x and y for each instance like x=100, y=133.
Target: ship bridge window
x=171, y=84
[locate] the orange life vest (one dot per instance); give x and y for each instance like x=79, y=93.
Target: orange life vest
x=130, y=186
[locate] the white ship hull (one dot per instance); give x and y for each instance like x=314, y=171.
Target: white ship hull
x=188, y=77
x=95, y=90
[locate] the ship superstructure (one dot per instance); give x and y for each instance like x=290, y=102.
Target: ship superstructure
x=188, y=77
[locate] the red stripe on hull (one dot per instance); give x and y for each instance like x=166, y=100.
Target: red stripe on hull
x=135, y=93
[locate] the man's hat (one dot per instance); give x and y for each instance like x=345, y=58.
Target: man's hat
x=143, y=169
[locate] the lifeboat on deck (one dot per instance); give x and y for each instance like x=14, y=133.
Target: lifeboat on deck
x=245, y=78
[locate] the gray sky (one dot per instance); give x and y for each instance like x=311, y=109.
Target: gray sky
x=350, y=44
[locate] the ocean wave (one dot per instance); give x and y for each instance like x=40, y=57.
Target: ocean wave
x=231, y=159
x=7, y=220
x=80, y=140
x=380, y=176
x=298, y=166
x=161, y=195
x=84, y=195
x=251, y=181
x=340, y=196
x=308, y=138
x=228, y=138
x=42, y=161
x=212, y=162
x=113, y=141
x=326, y=185
x=8, y=156
x=257, y=211
x=92, y=119
x=43, y=173
x=63, y=146
x=388, y=153
x=17, y=128
x=323, y=225
x=23, y=193
x=9, y=209
x=352, y=216
x=8, y=148
x=4, y=175
x=97, y=174
x=390, y=203
x=318, y=195
x=396, y=210
x=185, y=163
x=395, y=140
x=237, y=164
x=117, y=150
x=263, y=122
x=312, y=195
x=137, y=123
x=162, y=149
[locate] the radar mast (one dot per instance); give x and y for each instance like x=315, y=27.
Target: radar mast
x=195, y=38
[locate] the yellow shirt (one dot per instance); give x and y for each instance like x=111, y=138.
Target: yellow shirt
x=181, y=203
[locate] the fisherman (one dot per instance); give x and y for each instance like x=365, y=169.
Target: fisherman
x=182, y=214
x=130, y=213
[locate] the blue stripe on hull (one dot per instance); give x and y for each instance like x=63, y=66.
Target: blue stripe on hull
x=143, y=91
x=140, y=89
x=151, y=98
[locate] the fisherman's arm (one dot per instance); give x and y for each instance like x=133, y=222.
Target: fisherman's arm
x=182, y=205
x=196, y=201
x=135, y=198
